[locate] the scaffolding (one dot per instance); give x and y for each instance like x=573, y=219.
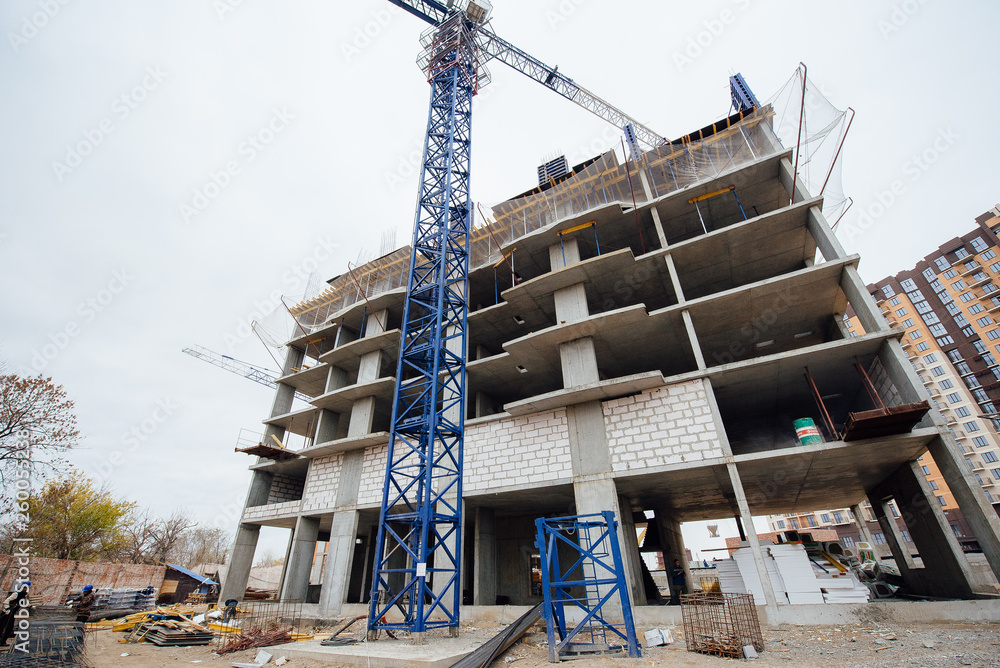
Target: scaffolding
x=722, y=147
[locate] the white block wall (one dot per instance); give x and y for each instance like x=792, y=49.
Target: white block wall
x=529, y=449
x=668, y=425
x=285, y=488
x=373, y=475
x=257, y=513
x=322, y=481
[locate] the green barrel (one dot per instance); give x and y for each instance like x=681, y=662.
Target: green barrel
x=806, y=431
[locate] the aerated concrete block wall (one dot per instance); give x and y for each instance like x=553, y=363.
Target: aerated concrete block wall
x=285, y=488
x=322, y=482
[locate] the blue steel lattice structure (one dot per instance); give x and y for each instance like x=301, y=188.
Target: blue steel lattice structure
x=418, y=547
x=743, y=97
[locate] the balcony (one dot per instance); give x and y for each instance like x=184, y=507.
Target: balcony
x=960, y=434
x=967, y=271
x=960, y=260
x=977, y=465
x=988, y=482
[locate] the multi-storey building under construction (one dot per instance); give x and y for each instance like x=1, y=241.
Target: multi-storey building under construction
x=642, y=337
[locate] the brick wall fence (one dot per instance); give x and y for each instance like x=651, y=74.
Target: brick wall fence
x=52, y=579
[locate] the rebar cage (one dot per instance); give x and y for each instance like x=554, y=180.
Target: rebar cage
x=721, y=624
x=257, y=617
x=49, y=643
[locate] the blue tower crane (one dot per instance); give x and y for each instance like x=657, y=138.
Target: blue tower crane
x=743, y=97
x=418, y=545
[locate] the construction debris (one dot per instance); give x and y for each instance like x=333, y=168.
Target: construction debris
x=242, y=641
x=498, y=644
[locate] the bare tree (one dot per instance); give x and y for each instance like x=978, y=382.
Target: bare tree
x=37, y=425
x=166, y=535
x=203, y=545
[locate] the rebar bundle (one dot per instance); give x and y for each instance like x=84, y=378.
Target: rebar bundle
x=252, y=618
x=243, y=641
x=49, y=643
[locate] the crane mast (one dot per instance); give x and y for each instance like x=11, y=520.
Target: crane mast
x=418, y=546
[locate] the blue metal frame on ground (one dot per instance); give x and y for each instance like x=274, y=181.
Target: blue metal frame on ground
x=418, y=547
x=593, y=539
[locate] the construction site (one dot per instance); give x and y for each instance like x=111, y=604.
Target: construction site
x=653, y=337
x=483, y=445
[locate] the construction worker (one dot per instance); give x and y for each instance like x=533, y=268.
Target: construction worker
x=677, y=580
x=18, y=599
x=85, y=604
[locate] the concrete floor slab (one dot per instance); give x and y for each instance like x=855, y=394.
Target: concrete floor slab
x=435, y=653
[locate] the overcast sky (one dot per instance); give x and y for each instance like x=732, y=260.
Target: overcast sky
x=169, y=168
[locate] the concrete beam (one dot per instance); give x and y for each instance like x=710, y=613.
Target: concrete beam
x=829, y=244
x=865, y=307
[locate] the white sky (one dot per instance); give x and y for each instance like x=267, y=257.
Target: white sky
x=347, y=112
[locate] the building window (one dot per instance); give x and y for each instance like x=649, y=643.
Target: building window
x=967, y=297
x=963, y=368
x=955, y=530
x=951, y=273
x=908, y=285
x=878, y=538
x=930, y=318
x=942, y=501
x=984, y=321
x=946, y=384
x=926, y=470
x=993, y=334
x=988, y=358
x=988, y=255
x=933, y=484
x=996, y=474
x=930, y=359
x=937, y=371
x=958, y=285
x=980, y=441
x=838, y=518
x=961, y=320
x=945, y=341
x=942, y=263
x=962, y=411
x=953, y=308
x=968, y=332
x=929, y=274
x=848, y=541
x=908, y=323
x=938, y=330
x=975, y=308
x=901, y=312
x=923, y=345
x=825, y=518
x=979, y=276
x=995, y=267
x=981, y=396
x=781, y=524
x=990, y=456
x=906, y=536
x=979, y=244
x=971, y=382
x=811, y=520
x=794, y=523
x=888, y=291
x=954, y=398
x=970, y=426
x=979, y=345
x=989, y=287
x=961, y=253
x=989, y=497
x=915, y=334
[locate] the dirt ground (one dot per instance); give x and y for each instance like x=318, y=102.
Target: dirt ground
x=873, y=645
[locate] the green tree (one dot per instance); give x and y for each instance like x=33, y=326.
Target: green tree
x=73, y=519
x=37, y=425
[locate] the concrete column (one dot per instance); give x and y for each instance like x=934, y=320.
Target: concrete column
x=630, y=552
x=946, y=570
x=238, y=573
x=893, y=536
x=978, y=511
x=339, y=563
x=865, y=307
x=246, y=539
x=672, y=545
x=571, y=304
x=593, y=483
x=751, y=531
x=861, y=524
x=336, y=379
x=699, y=357
x=828, y=243
x=484, y=589
x=343, y=533
x=300, y=564
x=564, y=254
x=658, y=226
x=579, y=362
x=675, y=279
x=326, y=430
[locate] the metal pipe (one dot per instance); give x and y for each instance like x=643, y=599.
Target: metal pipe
x=798, y=143
x=869, y=385
x=837, y=155
x=822, y=406
x=834, y=226
x=635, y=207
x=699, y=217
x=354, y=278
